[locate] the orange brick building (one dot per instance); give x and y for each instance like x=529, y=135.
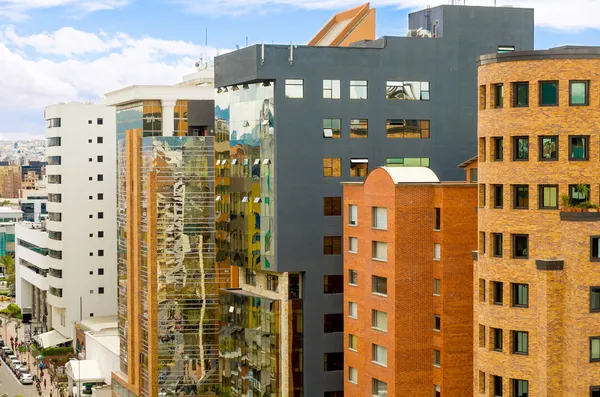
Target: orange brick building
x=408, y=273
x=10, y=181
x=537, y=297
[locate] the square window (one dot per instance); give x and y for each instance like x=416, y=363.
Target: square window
x=91, y=272
x=332, y=128
x=379, y=285
x=91, y=234
x=379, y=354
x=89, y=141
x=579, y=93
x=100, y=252
x=379, y=218
x=100, y=177
x=521, y=94
x=100, y=215
x=379, y=249
x=548, y=93
x=579, y=148
x=378, y=388
x=548, y=148
x=332, y=167
x=91, y=314
x=498, y=196
x=520, y=388
x=498, y=335
x=437, y=251
x=294, y=88
x=359, y=167
x=520, y=246
x=595, y=348
x=359, y=128
x=437, y=322
x=100, y=271
x=498, y=288
x=353, y=309
x=358, y=89
x=333, y=284
x=332, y=206
x=90, y=160
x=352, y=215
x=100, y=159
x=100, y=290
x=437, y=358
x=352, y=277
x=497, y=386
x=579, y=193
x=352, y=375
x=99, y=140
x=498, y=95
x=353, y=244
x=352, y=342
x=595, y=249
x=497, y=241
x=91, y=216
x=101, y=234
x=332, y=245
x=520, y=148
x=548, y=197
x=91, y=254
x=91, y=197
x=521, y=193
x=89, y=121
x=437, y=287
x=100, y=196
x=520, y=295
x=520, y=342
x=379, y=320
x=498, y=149
x=437, y=218
x=594, y=299
x=91, y=178
x=331, y=89
x=100, y=121
x=334, y=361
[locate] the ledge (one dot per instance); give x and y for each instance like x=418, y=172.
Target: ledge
x=580, y=216
x=549, y=264
x=474, y=255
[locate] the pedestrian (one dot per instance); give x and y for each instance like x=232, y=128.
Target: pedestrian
x=44, y=383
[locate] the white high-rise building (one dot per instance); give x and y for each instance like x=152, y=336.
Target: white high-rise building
x=66, y=267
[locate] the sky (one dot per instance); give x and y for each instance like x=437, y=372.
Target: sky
x=76, y=50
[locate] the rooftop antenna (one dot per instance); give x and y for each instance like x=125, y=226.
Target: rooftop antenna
x=206, y=44
x=246, y=41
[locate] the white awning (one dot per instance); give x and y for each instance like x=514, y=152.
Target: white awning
x=84, y=371
x=51, y=339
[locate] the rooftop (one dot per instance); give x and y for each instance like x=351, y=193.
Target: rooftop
x=411, y=175
x=562, y=52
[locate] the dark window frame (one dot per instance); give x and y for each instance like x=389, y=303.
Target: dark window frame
x=541, y=205
x=498, y=154
x=541, y=148
x=515, y=384
x=594, y=360
x=437, y=218
x=515, y=148
x=515, y=295
x=495, y=252
x=516, y=190
x=515, y=344
x=586, y=148
x=498, y=341
x=497, y=382
x=498, y=100
x=541, y=83
x=501, y=196
x=437, y=323
x=572, y=188
x=498, y=286
x=515, y=87
x=514, y=246
x=587, y=93
x=592, y=257
x=592, y=309
x=594, y=389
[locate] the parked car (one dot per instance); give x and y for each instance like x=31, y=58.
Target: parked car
x=6, y=351
x=26, y=379
x=19, y=368
x=4, y=298
x=13, y=364
x=1, y=342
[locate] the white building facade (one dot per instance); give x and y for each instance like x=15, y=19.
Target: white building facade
x=77, y=243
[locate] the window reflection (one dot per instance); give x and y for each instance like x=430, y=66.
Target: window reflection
x=408, y=90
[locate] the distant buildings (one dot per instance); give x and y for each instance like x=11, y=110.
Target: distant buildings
x=8, y=218
x=10, y=180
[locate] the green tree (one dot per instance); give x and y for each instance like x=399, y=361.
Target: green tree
x=4, y=203
x=8, y=263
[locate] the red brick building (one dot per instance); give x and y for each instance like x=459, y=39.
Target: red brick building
x=408, y=269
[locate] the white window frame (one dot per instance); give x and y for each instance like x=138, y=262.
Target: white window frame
x=437, y=251
x=379, y=216
x=379, y=355
x=353, y=241
x=353, y=215
x=352, y=307
x=375, y=322
x=440, y=286
x=354, y=94
x=377, y=246
x=353, y=375
x=294, y=83
x=332, y=89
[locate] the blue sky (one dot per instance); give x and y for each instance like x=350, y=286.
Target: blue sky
x=61, y=50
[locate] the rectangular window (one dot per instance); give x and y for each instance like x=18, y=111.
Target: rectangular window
x=579, y=193
x=482, y=291
x=482, y=243
x=595, y=391
x=521, y=95
x=294, y=88
x=51, y=142
x=594, y=299
x=332, y=206
x=100, y=159
x=99, y=121
x=437, y=218
x=498, y=196
x=521, y=193
x=379, y=249
x=379, y=218
x=379, y=320
x=331, y=89
x=352, y=277
x=594, y=249
x=402, y=128
x=359, y=128
x=497, y=241
x=352, y=375
x=482, y=195
x=548, y=93
x=359, y=167
x=332, y=166
x=437, y=391
x=379, y=354
x=407, y=90
x=358, y=89
x=333, y=284
x=505, y=48
x=520, y=295
x=353, y=244
x=520, y=148
x=437, y=358
x=333, y=362
x=498, y=149
x=520, y=342
x=481, y=335
x=353, y=309
x=407, y=162
x=482, y=97
x=498, y=335
x=579, y=148
x=100, y=196
x=520, y=246
x=100, y=290
x=548, y=197
x=100, y=215
x=99, y=139
x=352, y=342
x=482, y=149
x=332, y=245
x=101, y=271
x=579, y=93
x=437, y=287
x=332, y=128
x=378, y=388
x=379, y=285
x=437, y=322
x=497, y=386
x=53, y=123
x=353, y=215
x=272, y=282
x=498, y=288
x=548, y=148
x=498, y=95
x=437, y=251
x=520, y=388
x=250, y=277
x=595, y=348
x=481, y=382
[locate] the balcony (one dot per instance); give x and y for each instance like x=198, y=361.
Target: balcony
x=587, y=216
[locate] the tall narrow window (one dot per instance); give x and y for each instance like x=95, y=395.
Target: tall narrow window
x=594, y=249
x=379, y=250
x=520, y=388
x=595, y=348
x=437, y=358
x=498, y=335
x=498, y=287
x=498, y=196
x=358, y=89
x=498, y=149
x=548, y=197
x=331, y=89
x=520, y=246
x=352, y=244
x=352, y=277
x=594, y=299
x=498, y=95
x=437, y=251
x=437, y=287
x=548, y=148
x=482, y=97
x=359, y=128
x=437, y=322
x=498, y=244
x=437, y=221
x=379, y=216
x=498, y=386
x=579, y=93
x=352, y=375
x=579, y=148
x=332, y=128
x=352, y=215
x=521, y=193
x=352, y=310
x=352, y=342
x=520, y=342
x=520, y=293
x=521, y=94
x=294, y=88
x=549, y=93
x=520, y=148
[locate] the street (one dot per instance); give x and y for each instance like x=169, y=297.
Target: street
x=11, y=386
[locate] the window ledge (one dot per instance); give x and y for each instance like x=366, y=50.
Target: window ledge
x=353, y=285
x=354, y=317
x=437, y=365
x=353, y=350
x=379, y=294
x=352, y=252
x=436, y=230
x=379, y=260
x=379, y=329
x=380, y=364
x=379, y=228
x=437, y=259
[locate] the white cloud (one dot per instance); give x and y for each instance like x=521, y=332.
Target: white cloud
x=558, y=14
x=18, y=9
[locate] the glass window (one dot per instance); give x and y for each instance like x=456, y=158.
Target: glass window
x=497, y=386
x=332, y=167
x=333, y=284
x=520, y=148
x=437, y=322
x=482, y=97
x=352, y=277
x=437, y=287
x=520, y=246
x=378, y=388
x=595, y=249
x=520, y=342
x=55, y=141
x=498, y=288
x=579, y=193
x=294, y=88
x=352, y=342
x=352, y=375
x=332, y=128
x=437, y=221
x=407, y=90
x=578, y=93
x=353, y=215
x=332, y=206
x=520, y=294
x=498, y=95
x=379, y=285
x=332, y=245
x=437, y=358
x=331, y=89
x=99, y=140
x=549, y=93
x=379, y=354
x=548, y=197
x=595, y=299
x=352, y=244
x=498, y=244
x=498, y=196
x=250, y=277
x=379, y=217
x=407, y=162
x=358, y=89
x=595, y=348
x=498, y=149
x=498, y=334
x=359, y=167
x=353, y=309
x=437, y=391
x=578, y=148
x=359, y=128
x=53, y=123
x=548, y=148
x=272, y=282
x=521, y=94
x=334, y=362
x=403, y=128
x=379, y=320
x=379, y=250
x=437, y=251
x=521, y=388
x=595, y=391
x=521, y=196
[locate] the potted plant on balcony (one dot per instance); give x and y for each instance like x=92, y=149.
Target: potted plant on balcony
x=566, y=202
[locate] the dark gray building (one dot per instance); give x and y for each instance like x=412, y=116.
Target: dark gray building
x=291, y=124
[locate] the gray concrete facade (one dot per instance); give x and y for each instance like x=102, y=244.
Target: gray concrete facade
x=448, y=62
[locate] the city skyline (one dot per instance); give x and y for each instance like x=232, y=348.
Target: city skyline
x=66, y=50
